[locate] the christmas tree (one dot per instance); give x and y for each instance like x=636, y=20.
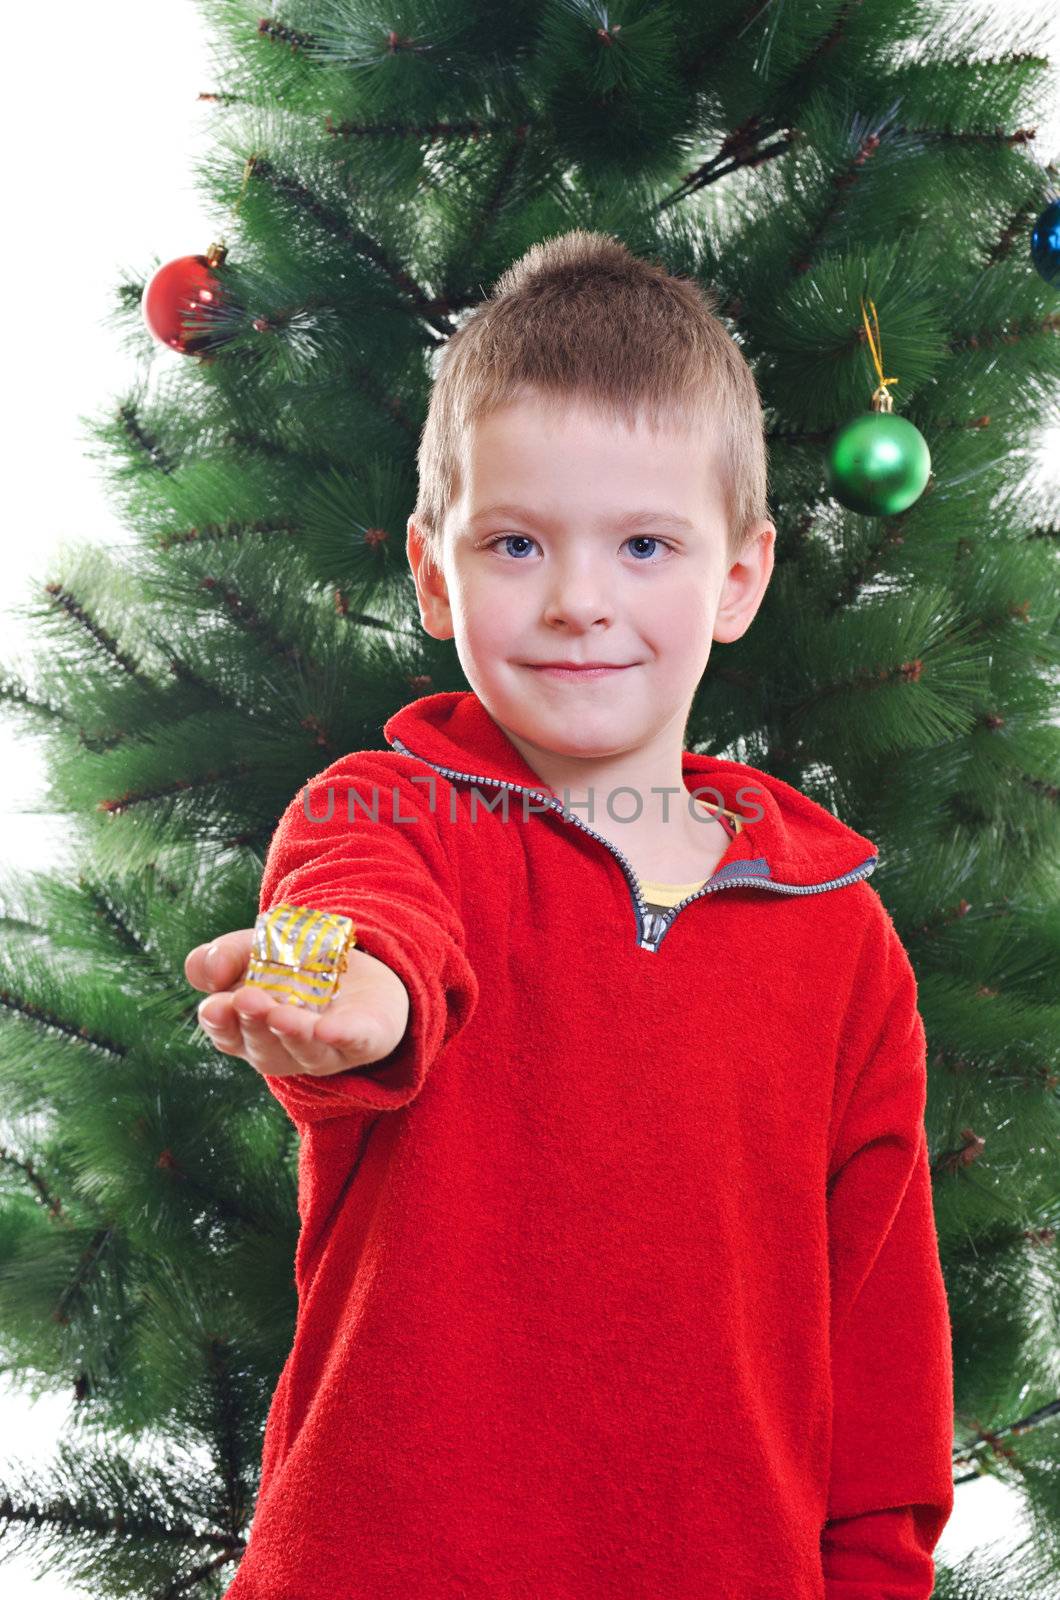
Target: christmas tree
x=860, y=188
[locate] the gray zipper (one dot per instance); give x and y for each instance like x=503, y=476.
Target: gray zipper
x=652, y=927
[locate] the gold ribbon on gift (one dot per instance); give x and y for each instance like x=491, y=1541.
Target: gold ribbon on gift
x=299, y=954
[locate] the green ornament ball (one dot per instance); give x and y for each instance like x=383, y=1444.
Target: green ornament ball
x=878, y=464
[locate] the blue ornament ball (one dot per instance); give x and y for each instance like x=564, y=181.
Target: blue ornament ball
x=1045, y=243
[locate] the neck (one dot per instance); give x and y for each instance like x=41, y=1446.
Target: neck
x=638, y=794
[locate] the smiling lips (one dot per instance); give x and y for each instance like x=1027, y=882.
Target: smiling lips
x=587, y=669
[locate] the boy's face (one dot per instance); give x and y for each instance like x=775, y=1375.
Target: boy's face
x=565, y=581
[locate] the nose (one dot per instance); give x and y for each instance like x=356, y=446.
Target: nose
x=578, y=597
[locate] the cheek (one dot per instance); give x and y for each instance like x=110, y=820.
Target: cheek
x=487, y=597
x=491, y=614
x=671, y=605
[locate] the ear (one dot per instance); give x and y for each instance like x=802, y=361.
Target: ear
x=745, y=584
x=431, y=592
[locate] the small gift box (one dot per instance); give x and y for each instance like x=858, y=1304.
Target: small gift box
x=299, y=954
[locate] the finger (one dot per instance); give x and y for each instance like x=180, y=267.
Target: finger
x=221, y=1021
x=219, y=965
x=243, y=1032
x=280, y=1039
x=220, y=1024
x=252, y=1010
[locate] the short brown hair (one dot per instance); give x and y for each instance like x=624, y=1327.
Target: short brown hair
x=580, y=317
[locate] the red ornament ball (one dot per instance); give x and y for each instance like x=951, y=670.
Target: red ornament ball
x=181, y=297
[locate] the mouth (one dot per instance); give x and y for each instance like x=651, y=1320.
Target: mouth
x=599, y=670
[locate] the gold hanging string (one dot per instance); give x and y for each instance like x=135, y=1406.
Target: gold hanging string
x=251, y=163
x=215, y=255
x=882, y=399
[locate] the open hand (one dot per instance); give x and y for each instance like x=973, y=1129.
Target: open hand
x=364, y=1021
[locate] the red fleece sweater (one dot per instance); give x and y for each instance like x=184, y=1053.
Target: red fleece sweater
x=619, y=1278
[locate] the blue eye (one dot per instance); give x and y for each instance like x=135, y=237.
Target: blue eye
x=639, y=538
x=504, y=537
x=649, y=538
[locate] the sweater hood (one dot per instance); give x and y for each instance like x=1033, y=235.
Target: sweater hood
x=786, y=838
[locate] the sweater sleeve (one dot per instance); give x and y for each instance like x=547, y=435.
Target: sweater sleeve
x=381, y=856
x=891, y=1478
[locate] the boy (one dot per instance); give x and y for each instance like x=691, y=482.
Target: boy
x=617, y=1271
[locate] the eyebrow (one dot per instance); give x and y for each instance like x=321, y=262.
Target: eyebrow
x=627, y=519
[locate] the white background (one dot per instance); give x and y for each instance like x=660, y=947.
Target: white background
x=102, y=125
